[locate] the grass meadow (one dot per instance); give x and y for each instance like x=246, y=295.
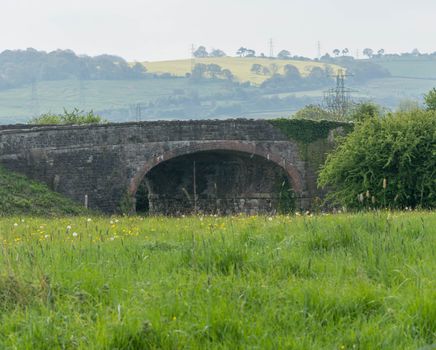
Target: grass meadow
x=345, y=281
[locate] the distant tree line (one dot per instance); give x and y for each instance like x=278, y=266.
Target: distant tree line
x=203, y=71
x=201, y=52
x=291, y=79
x=26, y=66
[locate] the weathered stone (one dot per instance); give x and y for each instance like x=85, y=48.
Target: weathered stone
x=108, y=162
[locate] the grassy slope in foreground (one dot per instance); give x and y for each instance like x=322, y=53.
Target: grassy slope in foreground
x=21, y=196
x=239, y=66
x=363, y=281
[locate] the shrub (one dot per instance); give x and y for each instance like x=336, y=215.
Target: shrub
x=385, y=162
x=68, y=118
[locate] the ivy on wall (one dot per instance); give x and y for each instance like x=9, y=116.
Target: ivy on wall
x=307, y=131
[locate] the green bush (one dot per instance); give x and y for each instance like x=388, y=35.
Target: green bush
x=68, y=118
x=385, y=162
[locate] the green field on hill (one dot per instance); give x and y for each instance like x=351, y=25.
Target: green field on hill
x=412, y=68
x=239, y=66
x=347, y=281
x=16, y=104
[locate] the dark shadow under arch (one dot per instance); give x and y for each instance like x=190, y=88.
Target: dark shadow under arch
x=229, y=148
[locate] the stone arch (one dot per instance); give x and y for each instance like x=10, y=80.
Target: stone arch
x=236, y=146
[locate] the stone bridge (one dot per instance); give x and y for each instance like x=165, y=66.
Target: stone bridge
x=173, y=167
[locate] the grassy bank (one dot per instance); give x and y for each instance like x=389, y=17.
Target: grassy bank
x=21, y=196
x=363, y=281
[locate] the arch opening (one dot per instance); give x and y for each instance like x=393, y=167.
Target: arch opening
x=216, y=182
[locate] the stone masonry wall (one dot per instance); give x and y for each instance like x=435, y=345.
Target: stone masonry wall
x=107, y=162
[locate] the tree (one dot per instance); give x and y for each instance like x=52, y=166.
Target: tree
x=214, y=70
x=317, y=74
x=385, y=162
x=430, y=100
x=201, y=52
x=227, y=74
x=381, y=52
x=256, y=68
x=241, y=51
x=266, y=71
x=368, y=52
x=415, y=52
x=199, y=71
x=217, y=53
x=284, y=55
x=364, y=110
x=336, y=52
x=274, y=68
x=139, y=69
x=313, y=112
x=250, y=53
x=345, y=51
x=292, y=72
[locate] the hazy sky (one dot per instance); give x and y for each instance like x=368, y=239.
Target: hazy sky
x=165, y=29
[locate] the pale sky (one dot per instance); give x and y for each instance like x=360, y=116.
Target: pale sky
x=165, y=29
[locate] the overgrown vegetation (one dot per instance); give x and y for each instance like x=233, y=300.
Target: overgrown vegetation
x=362, y=281
x=75, y=117
x=306, y=130
x=385, y=162
x=21, y=196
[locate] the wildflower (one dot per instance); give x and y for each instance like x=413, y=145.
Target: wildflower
x=15, y=225
x=68, y=227
x=112, y=238
x=75, y=234
x=89, y=220
x=270, y=219
x=174, y=318
x=46, y=236
x=111, y=222
x=385, y=183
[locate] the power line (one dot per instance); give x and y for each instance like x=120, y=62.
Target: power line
x=319, y=49
x=192, y=58
x=82, y=97
x=34, y=100
x=338, y=100
x=271, y=48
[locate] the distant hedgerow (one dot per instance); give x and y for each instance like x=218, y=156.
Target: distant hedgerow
x=385, y=162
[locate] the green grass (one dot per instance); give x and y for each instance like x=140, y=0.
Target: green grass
x=349, y=281
x=239, y=66
x=413, y=68
x=54, y=96
x=22, y=196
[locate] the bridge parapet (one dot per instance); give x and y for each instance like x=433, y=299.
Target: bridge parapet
x=108, y=162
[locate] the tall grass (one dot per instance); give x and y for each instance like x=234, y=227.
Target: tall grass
x=360, y=281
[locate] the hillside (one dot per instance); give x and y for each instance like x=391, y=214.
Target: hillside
x=239, y=66
x=413, y=67
x=21, y=196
